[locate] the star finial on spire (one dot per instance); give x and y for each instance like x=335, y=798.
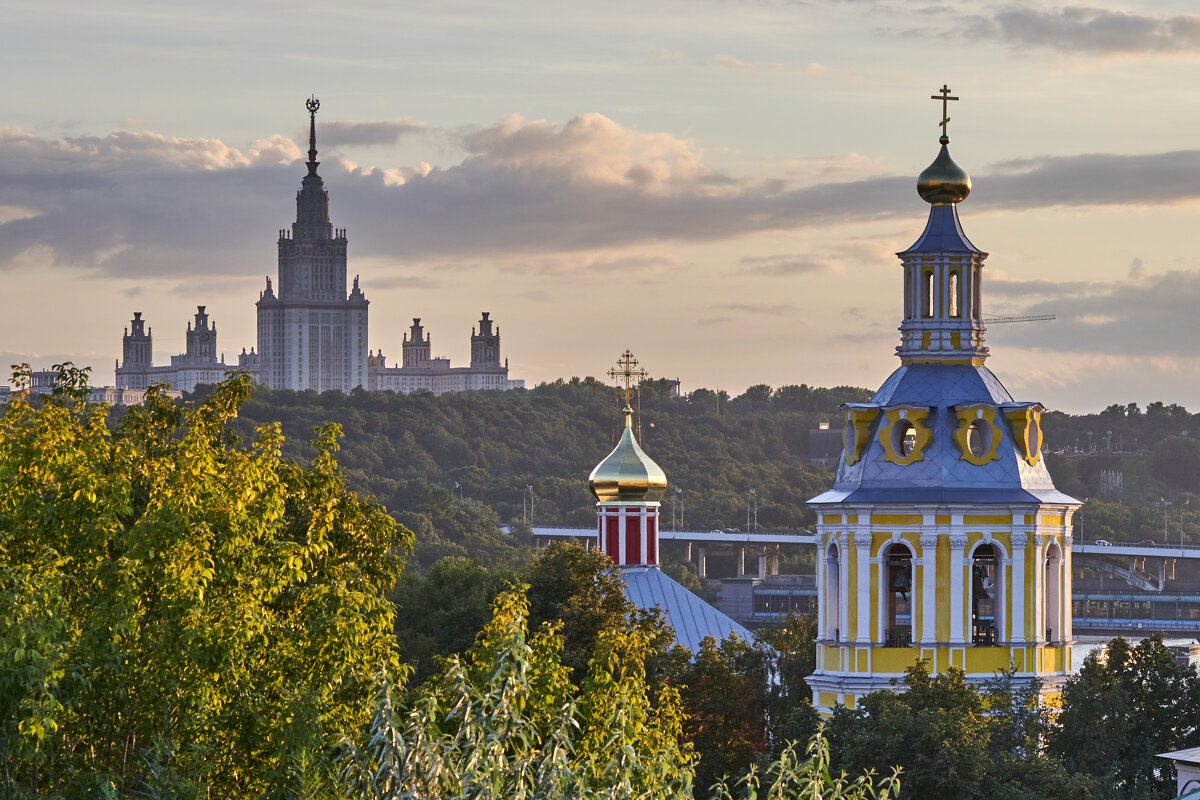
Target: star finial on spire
x=312, y=104
x=944, y=96
x=629, y=373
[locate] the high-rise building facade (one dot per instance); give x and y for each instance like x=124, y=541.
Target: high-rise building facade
x=312, y=334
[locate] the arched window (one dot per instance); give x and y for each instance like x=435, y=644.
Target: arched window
x=928, y=301
x=955, y=290
x=833, y=594
x=1053, y=593
x=897, y=596
x=987, y=595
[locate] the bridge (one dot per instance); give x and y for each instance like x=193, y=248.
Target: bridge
x=1135, y=589
x=700, y=546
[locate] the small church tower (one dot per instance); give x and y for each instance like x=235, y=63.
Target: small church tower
x=943, y=537
x=628, y=487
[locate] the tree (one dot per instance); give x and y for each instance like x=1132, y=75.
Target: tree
x=1121, y=710
x=935, y=731
x=507, y=721
x=180, y=613
x=724, y=694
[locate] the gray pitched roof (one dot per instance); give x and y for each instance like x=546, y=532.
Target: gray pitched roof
x=690, y=617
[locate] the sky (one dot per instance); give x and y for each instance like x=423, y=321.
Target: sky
x=718, y=185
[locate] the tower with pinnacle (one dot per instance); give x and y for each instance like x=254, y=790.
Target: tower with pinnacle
x=943, y=537
x=312, y=334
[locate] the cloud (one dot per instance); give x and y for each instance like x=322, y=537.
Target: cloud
x=1088, y=29
x=142, y=204
x=758, y=308
x=1153, y=316
x=340, y=133
x=729, y=62
x=786, y=265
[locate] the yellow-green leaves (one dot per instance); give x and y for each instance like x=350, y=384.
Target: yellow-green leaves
x=178, y=607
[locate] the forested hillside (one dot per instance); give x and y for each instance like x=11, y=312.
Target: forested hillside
x=455, y=468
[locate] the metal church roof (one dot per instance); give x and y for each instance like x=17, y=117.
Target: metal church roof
x=691, y=617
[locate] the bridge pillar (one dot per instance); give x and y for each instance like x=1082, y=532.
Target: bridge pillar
x=702, y=562
x=762, y=566
x=687, y=551
x=741, y=561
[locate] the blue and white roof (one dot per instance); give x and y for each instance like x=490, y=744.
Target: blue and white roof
x=941, y=476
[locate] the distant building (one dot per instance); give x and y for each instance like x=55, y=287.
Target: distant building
x=824, y=445
x=312, y=334
x=44, y=382
x=198, y=364
x=420, y=371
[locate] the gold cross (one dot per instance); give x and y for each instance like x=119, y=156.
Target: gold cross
x=944, y=96
x=628, y=372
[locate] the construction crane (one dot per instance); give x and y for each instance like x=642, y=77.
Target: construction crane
x=993, y=319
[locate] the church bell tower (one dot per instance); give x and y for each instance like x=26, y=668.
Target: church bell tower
x=943, y=537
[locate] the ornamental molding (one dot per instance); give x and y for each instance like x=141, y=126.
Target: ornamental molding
x=863, y=539
x=1068, y=540
x=1019, y=541
x=958, y=542
x=928, y=540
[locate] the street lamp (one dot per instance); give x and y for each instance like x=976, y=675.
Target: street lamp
x=1181, y=508
x=459, y=487
x=679, y=493
x=529, y=488
x=754, y=500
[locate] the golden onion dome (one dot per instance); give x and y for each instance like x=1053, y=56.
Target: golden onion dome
x=944, y=182
x=627, y=474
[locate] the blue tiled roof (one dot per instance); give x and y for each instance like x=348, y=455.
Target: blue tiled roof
x=942, y=476
x=943, y=233
x=690, y=617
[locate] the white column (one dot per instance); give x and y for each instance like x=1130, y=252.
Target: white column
x=862, y=552
x=621, y=514
x=1018, y=634
x=928, y=587
x=843, y=583
x=958, y=543
x=822, y=568
x=1039, y=587
x=1068, y=605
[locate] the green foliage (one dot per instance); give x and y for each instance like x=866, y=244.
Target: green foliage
x=411, y=450
x=935, y=731
x=180, y=615
x=793, y=778
x=1122, y=710
x=724, y=693
x=506, y=721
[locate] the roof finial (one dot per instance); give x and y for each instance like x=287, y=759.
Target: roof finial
x=944, y=96
x=629, y=373
x=312, y=104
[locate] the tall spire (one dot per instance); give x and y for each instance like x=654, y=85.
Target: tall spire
x=943, y=319
x=312, y=104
